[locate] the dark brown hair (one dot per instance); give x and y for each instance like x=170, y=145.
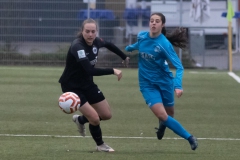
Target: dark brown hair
x=90, y=20
x=177, y=37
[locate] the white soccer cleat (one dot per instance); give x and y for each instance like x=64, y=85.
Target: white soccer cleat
x=81, y=127
x=104, y=148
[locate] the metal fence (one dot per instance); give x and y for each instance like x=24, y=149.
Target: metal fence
x=39, y=32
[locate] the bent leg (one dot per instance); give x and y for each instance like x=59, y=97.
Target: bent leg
x=90, y=113
x=161, y=129
x=103, y=110
x=167, y=94
x=94, y=122
x=160, y=112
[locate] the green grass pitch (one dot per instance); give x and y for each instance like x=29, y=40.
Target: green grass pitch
x=32, y=127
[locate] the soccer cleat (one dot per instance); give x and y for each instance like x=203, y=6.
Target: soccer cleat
x=104, y=148
x=160, y=133
x=81, y=127
x=193, y=142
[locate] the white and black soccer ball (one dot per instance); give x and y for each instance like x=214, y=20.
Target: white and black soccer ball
x=69, y=102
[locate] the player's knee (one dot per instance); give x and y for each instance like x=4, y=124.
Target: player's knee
x=106, y=116
x=94, y=120
x=162, y=117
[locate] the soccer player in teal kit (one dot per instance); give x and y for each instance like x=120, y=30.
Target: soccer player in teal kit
x=156, y=81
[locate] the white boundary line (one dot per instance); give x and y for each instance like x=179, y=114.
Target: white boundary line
x=234, y=76
x=33, y=68
x=196, y=72
x=112, y=137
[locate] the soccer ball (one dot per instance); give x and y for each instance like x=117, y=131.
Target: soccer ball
x=69, y=102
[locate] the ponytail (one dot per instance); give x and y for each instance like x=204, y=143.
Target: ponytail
x=178, y=37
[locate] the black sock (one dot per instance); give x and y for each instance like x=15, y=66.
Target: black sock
x=82, y=119
x=96, y=133
x=162, y=127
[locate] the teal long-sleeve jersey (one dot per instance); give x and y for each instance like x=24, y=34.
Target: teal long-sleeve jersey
x=153, y=56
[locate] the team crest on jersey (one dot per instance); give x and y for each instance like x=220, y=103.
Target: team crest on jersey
x=157, y=49
x=165, y=62
x=94, y=50
x=81, y=54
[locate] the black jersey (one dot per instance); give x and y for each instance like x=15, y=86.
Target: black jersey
x=81, y=59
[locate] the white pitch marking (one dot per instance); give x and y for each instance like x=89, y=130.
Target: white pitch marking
x=195, y=72
x=234, y=76
x=113, y=137
x=34, y=69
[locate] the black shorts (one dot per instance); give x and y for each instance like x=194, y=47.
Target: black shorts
x=91, y=95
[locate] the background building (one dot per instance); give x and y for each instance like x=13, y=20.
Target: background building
x=48, y=26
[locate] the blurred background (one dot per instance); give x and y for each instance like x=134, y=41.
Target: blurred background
x=39, y=32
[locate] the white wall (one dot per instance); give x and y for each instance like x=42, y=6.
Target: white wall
x=171, y=9
x=215, y=20
x=131, y=3
x=134, y=4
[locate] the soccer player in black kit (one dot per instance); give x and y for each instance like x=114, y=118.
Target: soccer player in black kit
x=78, y=78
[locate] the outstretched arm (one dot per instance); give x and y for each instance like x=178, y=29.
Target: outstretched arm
x=110, y=46
x=115, y=50
x=132, y=47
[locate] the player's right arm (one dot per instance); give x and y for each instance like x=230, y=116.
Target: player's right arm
x=141, y=35
x=132, y=47
x=78, y=52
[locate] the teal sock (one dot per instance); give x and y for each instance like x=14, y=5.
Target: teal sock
x=176, y=127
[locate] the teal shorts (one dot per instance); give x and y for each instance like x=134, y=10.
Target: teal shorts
x=154, y=93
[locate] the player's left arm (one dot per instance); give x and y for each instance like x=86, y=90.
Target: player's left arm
x=110, y=46
x=174, y=59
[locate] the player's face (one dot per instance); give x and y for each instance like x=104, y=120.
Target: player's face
x=89, y=32
x=155, y=25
